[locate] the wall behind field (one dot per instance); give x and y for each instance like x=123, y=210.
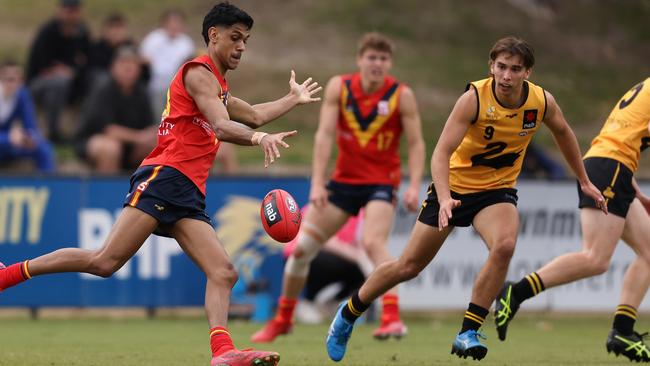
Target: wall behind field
x=39, y=216
x=589, y=52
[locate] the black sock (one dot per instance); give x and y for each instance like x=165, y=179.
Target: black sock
x=474, y=317
x=529, y=286
x=624, y=319
x=354, y=308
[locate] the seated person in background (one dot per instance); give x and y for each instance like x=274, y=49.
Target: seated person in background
x=114, y=34
x=116, y=129
x=16, y=104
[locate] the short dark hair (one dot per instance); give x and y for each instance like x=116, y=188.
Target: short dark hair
x=375, y=41
x=514, y=46
x=224, y=14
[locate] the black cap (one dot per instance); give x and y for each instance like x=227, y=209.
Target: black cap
x=70, y=3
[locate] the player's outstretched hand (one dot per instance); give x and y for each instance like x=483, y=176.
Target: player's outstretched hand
x=304, y=92
x=444, y=214
x=269, y=144
x=590, y=190
x=411, y=199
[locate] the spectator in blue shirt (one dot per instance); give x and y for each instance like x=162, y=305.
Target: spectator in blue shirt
x=20, y=141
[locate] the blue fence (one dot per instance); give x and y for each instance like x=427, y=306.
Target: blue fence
x=38, y=216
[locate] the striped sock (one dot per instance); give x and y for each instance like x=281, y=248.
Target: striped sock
x=220, y=341
x=389, y=308
x=354, y=308
x=529, y=286
x=14, y=274
x=286, y=307
x=474, y=317
x=624, y=319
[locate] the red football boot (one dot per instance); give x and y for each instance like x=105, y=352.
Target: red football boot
x=271, y=330
x=247, y=357
x=395, y=329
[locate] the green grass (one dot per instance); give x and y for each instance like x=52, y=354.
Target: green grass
x=538, y=340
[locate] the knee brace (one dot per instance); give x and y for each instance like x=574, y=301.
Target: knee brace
x=309, y=245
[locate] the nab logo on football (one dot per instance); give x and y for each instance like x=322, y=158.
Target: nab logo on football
x=280, y=215
x=272, y=212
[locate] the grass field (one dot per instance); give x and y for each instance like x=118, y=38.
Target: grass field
x=97, y=342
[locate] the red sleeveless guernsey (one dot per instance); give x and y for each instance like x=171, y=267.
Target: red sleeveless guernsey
x=368, y=133
x=186, y=141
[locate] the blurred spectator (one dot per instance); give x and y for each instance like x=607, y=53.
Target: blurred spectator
x=16, y=104
x=539, y=165
x=57, y=63
x=165, y=50
x=115, y=33
x=226, y=160
x=116, y=128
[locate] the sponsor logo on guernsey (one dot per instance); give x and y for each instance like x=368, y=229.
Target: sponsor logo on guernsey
x=272, y=215
x=203, y=124
x=490, y=113
x=530, y=119
x=383, y=108
x=511, y=115
x=165, y=128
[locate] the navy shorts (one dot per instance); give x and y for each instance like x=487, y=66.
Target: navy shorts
x=351, y=197
x=470, y=205
x=166, y=194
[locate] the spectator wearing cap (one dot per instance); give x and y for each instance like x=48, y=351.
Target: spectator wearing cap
x=57, y=62
x=20, y=141
x=165, y=49
x=116, y=128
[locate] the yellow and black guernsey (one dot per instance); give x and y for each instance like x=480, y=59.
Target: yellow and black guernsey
x=625, y=133
x=492, y=151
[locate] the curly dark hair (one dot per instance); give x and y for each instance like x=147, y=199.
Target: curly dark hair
x=225, y=14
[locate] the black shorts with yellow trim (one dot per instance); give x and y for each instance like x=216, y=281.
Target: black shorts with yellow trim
x=470, y=205
x=614, y=180
x=166, y=194
x=351, y=197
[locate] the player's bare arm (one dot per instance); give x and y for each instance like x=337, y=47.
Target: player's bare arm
x=258, y=115
x=323, y=141
x=203, y=88
x=413, y=131
x=459, y=120
x=566, y=140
